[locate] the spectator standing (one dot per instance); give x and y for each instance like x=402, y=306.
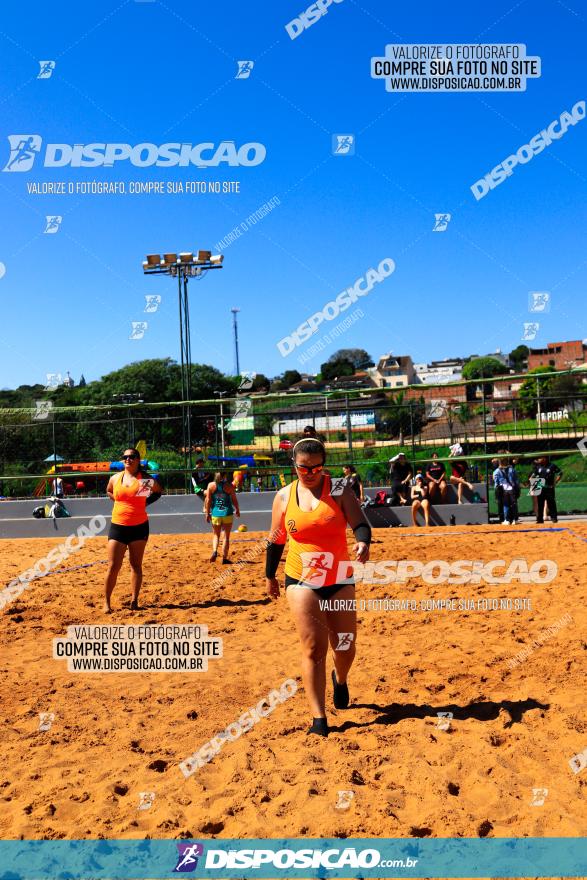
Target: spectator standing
x=505, y=480
x=551, y=475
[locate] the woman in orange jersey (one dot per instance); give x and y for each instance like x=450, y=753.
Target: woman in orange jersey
x=131, y=492
x=313, y=512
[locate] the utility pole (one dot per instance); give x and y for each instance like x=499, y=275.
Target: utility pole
x=235, y=312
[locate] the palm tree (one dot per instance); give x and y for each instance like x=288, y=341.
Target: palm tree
x=464, y=414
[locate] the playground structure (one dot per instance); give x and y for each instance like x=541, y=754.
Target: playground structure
x=92, y=469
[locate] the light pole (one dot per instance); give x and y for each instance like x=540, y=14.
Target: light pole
x=184, y=266
x=220, y=395
x=235, y=312
x=538, y=410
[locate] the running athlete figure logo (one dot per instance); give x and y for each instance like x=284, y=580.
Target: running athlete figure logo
x=530, y=330
x=23, y=151
x=343, y=144
x=539, y=301
x=244, y=69
x=47, y=68
x=188, y=856
x=53, y=223
x=441, y=222
x=315, y=567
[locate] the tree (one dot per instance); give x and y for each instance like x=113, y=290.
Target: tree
x=286, y=380
x=290, y=377
x=519, y=357
x=82, y=382
x=261, y=383
x=530, y=390
x=483, y=368
x=464, y=414
x=333, y=369
x=358, y=357
x=403, y=417
x=264, y=427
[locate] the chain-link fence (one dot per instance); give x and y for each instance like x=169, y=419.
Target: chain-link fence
x=252, y=435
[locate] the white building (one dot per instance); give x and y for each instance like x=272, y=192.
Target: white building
x=439, y=372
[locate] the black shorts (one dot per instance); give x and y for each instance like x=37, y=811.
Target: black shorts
x=128, y=534
x=323, y=592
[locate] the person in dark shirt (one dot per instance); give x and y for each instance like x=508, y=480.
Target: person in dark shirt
x=354, y=481
x=459, y=469
x=550, y=474
x=436, y=476
x=201, y=477
x=401, y=473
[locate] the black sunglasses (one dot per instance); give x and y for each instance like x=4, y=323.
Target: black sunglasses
x=129, y=457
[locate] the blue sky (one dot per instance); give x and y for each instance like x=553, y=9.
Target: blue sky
x=156, y=72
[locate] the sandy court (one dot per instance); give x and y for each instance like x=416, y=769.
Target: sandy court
x=115, y=735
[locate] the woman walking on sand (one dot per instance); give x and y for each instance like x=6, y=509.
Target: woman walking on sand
x=220, y=505
x=131, y=491
x=315, y=520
